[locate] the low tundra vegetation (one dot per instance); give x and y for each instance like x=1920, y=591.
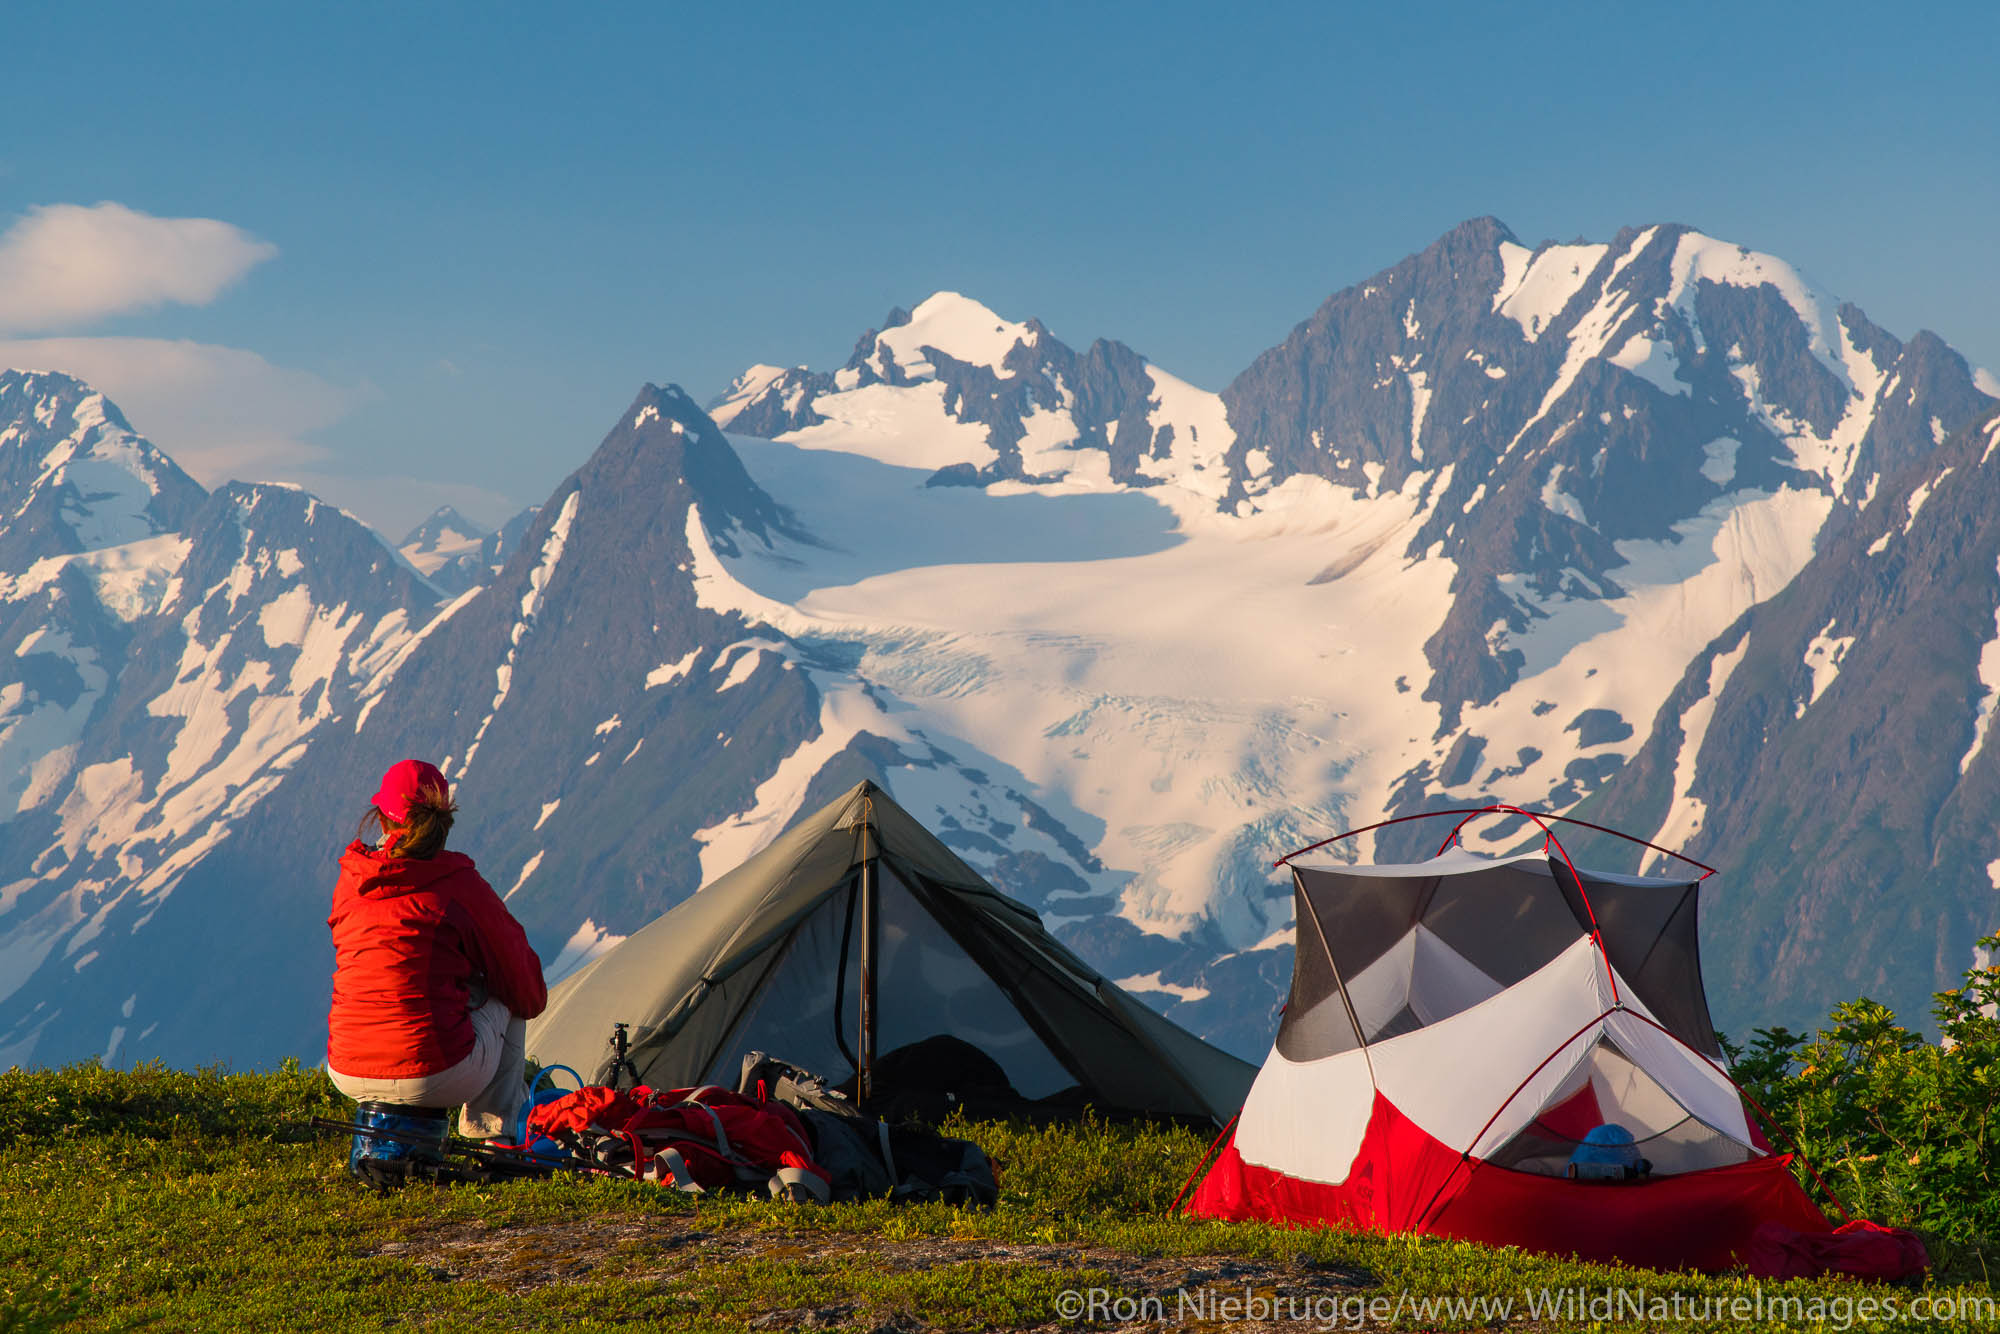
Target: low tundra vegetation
x=203, y=1200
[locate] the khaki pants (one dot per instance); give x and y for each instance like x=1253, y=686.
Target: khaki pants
x=490, y=1082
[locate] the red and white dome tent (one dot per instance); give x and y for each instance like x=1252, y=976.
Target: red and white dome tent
x=1456, y=1027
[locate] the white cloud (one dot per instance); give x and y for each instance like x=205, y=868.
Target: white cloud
x=63, y=266
x=225, y=414
x=222, y=413
x=219, y=412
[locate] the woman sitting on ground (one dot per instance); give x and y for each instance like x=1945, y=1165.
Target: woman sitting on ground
x=433, y=979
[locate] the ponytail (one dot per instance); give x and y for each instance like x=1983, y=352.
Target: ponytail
x=421, y=836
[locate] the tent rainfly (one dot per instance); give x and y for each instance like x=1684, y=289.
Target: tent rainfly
x=853, y=937
x=1457, y=1027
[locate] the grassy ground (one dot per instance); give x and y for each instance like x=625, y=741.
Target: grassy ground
x=161, y=1200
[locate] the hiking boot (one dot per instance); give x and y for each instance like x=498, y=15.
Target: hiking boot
x=394, y=1134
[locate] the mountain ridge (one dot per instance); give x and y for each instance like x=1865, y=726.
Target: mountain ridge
x=1495, y=523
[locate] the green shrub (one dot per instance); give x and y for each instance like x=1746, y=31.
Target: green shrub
x=1902, y=1129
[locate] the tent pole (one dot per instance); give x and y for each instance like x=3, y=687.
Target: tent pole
x=864, y=1078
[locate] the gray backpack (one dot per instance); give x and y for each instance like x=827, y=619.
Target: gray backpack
x=868, y=1158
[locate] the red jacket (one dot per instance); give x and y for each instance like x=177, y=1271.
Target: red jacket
x=411, y=937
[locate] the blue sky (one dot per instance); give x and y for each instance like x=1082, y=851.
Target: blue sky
x=460, y=237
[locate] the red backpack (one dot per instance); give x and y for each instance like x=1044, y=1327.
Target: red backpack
x=696, y=1139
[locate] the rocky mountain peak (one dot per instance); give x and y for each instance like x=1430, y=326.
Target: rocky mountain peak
x=445, y=525
x=965, y=330
x=452, y=552
x=666, y=439
x=1544, y=406
x=75, y=477
x=53, y=400
x=260, y=540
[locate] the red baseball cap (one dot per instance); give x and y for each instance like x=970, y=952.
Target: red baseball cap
x=404, y=783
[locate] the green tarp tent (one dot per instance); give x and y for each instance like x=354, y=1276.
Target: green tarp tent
x=856, y=934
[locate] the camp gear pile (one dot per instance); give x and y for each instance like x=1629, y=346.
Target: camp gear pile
x=866, y=1157
x=784, y=1132
x=789, y=1135
x=696, y=1140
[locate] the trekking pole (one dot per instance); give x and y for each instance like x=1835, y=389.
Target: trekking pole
x=477, y=1152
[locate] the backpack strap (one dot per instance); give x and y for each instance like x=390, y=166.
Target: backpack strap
x=668, y=1163
x=722, y=1145
x=799, y=1186
x=888, y=1154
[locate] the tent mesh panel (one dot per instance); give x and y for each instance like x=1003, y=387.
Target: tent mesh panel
x=1687, y=1147
x=1650, y=935
x=1383, y=955
x=797, y=1014
x=925, y=986
x=1129, y=1079
x=1316, y=1020
x=1609, y=1087
x=1481, y=931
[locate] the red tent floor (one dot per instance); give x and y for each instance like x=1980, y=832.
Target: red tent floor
x=1403, y=1180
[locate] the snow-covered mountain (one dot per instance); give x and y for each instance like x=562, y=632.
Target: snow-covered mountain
x=455, y=554
x=445, y=549
x=973, y=399
x=1591, y=527
x=164, y=655
x=1831, y=750
x=1456, y=540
